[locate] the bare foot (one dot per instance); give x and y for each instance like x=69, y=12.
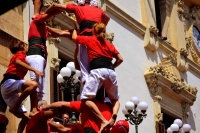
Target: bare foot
x=32, y=113
x=103, y=125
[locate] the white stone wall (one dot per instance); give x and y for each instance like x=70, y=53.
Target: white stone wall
x=131, y=7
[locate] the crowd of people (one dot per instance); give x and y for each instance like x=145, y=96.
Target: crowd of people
x=99, y=97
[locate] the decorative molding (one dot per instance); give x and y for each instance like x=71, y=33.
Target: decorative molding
x=185, y=110
x=110, y=37
x=193, y=50
x=55, y=62
x=123, y=16
x=150, y=38
x=165, y=75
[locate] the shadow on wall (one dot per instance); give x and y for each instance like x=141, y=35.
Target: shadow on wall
x=191, y=120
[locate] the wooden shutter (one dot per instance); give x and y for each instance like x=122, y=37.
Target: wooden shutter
x=56, y=94
x=160, y=127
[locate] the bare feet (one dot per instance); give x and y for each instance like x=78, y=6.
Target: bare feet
x=32, y=113
x=103, y=125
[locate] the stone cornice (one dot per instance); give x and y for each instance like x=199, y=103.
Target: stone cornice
x=123, y=16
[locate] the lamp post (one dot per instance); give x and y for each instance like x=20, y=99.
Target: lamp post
x=69, y=82
x=179, y=127
x=135, y=111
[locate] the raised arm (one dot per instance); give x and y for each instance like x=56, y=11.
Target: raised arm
x=118, y=61
x=19, y=62
x=59, y=33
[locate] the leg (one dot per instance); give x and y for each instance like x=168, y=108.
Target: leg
x=34, y=103
x=37, y=5
x=37, y=62
x=58, y=106
x=22, y=123
x=94, y=109
x=28, y=87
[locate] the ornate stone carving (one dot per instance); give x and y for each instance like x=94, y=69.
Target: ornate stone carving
x=192, y=49
x=110, y=37
x=50, y=2
x=55, y=62
x=166, y=75
x=184, y=52
x=185, y=110
x=159, y=116
x=151, y=41
x=53, y=40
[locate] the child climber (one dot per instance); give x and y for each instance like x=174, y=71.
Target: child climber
x=14, y=83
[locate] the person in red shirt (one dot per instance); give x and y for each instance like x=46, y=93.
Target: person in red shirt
x=37, y=52
x=41, y=122
x=14, y=83
x=86, y=17
x=121, y=126
x=100, y=53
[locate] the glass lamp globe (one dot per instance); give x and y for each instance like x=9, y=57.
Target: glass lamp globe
x=178, y=122
x=129, y=105
x=186, y=128
x=76, y=79
x=78, y=73
x=135, y=100
x=60, y=78
x=138, y=111
x=71, y=66
x=65, y=71
x=174, y=127
x=169, y=130
x=124, y=111
x=142, y=106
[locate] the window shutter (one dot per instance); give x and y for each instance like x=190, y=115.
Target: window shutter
x=56, y=94
x=160, y=127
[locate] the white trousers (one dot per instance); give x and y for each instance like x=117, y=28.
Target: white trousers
x=96, y=79
x=83, y=63
x=9, y=91
x=37, y=62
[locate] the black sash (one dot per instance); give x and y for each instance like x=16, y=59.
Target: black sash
x=101, y=62
x=9, y=76
x=87, y=24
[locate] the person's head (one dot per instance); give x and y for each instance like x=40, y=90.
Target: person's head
x=16, y=45
x=42, y=104
x=99, y=29
x=3, y=123
x=65, y=118
x=121, y=126
x=87, y=1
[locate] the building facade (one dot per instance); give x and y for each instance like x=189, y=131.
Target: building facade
x=159, y=41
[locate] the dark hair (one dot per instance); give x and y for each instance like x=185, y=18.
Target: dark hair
x=87, y=1
x=15, y=46
x=99, y=30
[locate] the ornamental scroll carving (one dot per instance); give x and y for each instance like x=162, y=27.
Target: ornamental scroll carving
x=166, y=76
x=151, y=40
x=193, y=50
x=185, y=111
x=55, y=62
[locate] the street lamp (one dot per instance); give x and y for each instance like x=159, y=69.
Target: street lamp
x=135, y=111
x=69, y=82
x=179, y=127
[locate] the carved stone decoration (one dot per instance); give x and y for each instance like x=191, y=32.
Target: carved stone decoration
x=165, y=75
x=50, y=2
x=110, y=37
x=182, y=60
x=55, y=62
x=157, y=108
x=192, y=49
x=185, y=110
x=53, y=40
x=150, y=39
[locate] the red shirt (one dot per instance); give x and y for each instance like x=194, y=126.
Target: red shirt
x=18, y=70
x=96, y=49
x=37, y=124
x=89, y=120
x=86, y=12
x=38, y=28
